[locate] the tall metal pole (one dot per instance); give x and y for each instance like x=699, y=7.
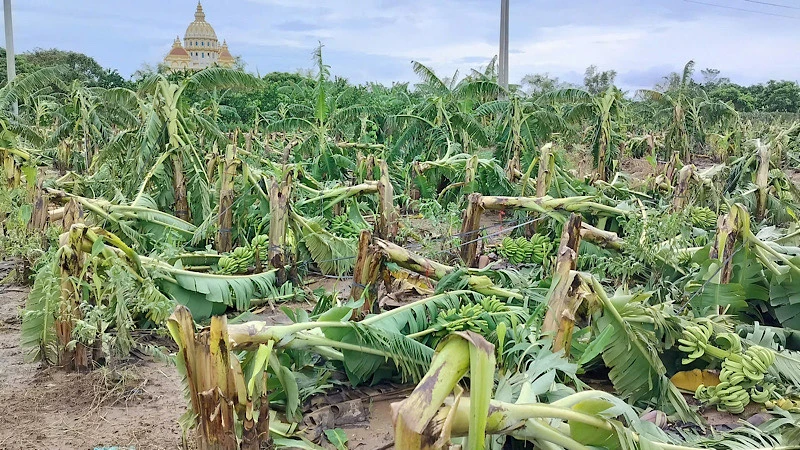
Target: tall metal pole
x=11, y=68
x=502, y=75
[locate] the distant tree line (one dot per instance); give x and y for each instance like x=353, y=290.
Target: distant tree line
x=772, y=96
x=79, y=67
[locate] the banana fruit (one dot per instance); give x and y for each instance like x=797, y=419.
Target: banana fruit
x=341, y=225
x=742, y=374
x=521, y=250
x=695, y=340
x=241, y=258
x=703, y=217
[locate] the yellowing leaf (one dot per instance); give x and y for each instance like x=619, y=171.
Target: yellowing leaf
x=689, y=380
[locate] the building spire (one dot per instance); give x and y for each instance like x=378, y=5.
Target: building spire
x=199, y=15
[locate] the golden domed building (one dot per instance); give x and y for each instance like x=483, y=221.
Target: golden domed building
x=200, y=47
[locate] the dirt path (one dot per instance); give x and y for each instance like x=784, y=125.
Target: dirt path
x=136, y=406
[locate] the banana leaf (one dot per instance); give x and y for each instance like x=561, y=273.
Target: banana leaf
x=208, y=294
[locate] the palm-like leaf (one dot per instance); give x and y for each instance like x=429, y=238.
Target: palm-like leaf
x=38, y=339
x=636, y=369
x=429, y=77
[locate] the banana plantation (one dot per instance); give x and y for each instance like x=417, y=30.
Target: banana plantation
x=484, y=258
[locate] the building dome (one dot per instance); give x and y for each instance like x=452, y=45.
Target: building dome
x=177, y=51
x=200, y=29
x=200, y=47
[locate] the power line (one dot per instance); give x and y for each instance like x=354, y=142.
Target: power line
x=772, y=4
x=741, y=9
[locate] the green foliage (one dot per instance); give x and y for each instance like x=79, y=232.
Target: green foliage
x=637, y=371
x=127, y=156
x=337, y=437
x=39, y=341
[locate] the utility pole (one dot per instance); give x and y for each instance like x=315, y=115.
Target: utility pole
x=11, y=68
x=502, y=75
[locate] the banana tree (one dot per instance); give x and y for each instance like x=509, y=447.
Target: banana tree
x=688, y=113
x=320, y=125
x=521, y=124
x=605, y=115
x=89, y=116
x=172, y=126
x=446, y=114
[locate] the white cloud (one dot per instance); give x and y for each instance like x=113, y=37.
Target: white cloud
x=376, y=39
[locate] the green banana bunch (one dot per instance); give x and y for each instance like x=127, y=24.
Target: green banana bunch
x=732, y=372
x=762, y=393
x=750, y=366
x=238, y=261
x=260, y=244
x=684, y=256
x=727, y=397
x=695, y=340
x=467, y=317
x=341, y=225
x=515, y=250
x=521, y=250
x=493, y=304
x=756, y=361
x=226, y=266
x=741, y=377
x=729, y=341
x=541, y=247
x=732, y=398
x=703, y=217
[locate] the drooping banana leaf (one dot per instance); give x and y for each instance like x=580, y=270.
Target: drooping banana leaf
x=38, y=340
x=333, y=254
x=784, y=298
x=637, y=372
x=409, y=356
x=206, y=294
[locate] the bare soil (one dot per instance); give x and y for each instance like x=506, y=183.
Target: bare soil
x=137, y=405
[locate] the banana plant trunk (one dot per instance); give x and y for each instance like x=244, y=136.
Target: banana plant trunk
x=513, y=166
x=564, y=299
x=179, y=187
x=762, y=179
x=71, y=265
x=367, y=273
x=210, y=373
x=40, y=201
x=224, y=239
x=388, y=219
x=412, y=261
x=724, y=242
x=679, y=200
x=435, y=270
x=279, y=194
x=544, y=179
x=601, y=160
x=470, y=229
x=11, y=172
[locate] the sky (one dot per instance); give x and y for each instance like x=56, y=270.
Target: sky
x=376, y=40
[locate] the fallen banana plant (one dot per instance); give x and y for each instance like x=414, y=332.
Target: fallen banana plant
x=228, y=397
x=433, y=419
